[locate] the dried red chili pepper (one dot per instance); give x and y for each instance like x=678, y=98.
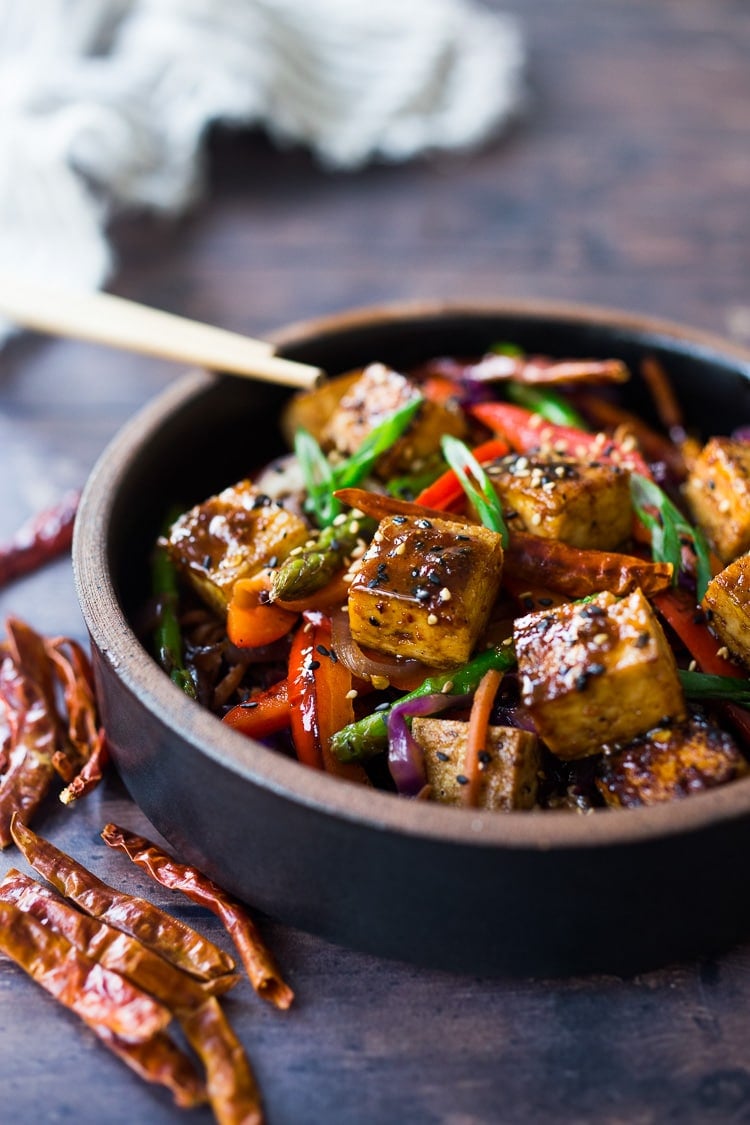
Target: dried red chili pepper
x=27, y=700
x=577, y=572
x=98, y=995
x=159, y=1060
x=39, y=540
x=232, y=1089
x=173, y=939
x=82, y=766
x=110, y=947
x=259, y=964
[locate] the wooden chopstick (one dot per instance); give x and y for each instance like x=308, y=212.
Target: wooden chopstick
x=101, y=318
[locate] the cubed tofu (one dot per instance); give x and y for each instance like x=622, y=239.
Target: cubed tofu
x=718, y=492
x=727, y=605
x=669, y=763
x=509, y=765
x=596, y=673
x=583, y=503
x=424, y=588
x=230, y=536
x=376, y=394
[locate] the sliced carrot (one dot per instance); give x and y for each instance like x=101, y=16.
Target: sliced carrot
x=252, y=619
x=476, y=738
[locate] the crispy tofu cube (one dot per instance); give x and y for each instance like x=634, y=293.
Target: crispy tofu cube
x=669, y=763
x=718, y=492
x=727, y=603
x=229, y=536
x=509, y=765
x=597, y=673
x=425, y=588
x=583, y=503
x=377, y=393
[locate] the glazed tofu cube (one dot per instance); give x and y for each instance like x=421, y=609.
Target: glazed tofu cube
x=727, y=603
x=596, y=673
x=424, y=588
x=377, y=393
x=229, y=536
x=718, y=492
x=669, y=763
x=585, y=504
x=509, y=765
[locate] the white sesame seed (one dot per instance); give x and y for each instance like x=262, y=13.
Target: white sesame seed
x=296, y=551
x=536, y=519
x=400, y=549
x=352, y=694
x=445, y=594
x=342, y=517
x=724, y=506
x=380, y=683
x=723, y=652
x=447, y=687
x=692, y=666
x=600, y=639
x=432, y=619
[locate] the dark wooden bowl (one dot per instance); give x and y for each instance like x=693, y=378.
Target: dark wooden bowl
x=537, y=893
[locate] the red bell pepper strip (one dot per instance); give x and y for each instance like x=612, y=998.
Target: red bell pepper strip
x=319, y=694
x=525, y=431
x=262, y=715
x=689, y=623
x=253, y=619
x=446, y=490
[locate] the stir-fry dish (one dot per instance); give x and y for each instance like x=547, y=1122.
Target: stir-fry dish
x=482, y=582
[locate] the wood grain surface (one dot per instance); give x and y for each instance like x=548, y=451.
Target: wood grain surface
x=625, y=183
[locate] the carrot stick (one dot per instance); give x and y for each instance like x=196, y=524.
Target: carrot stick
x=476, y=739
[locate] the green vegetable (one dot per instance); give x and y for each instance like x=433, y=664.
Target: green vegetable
x=476, y=484
x=322, y=477
x=369, y=736
x=301, y=575
x=167, y=634
x=669, y=530
x=700, y=685
x=553, y=407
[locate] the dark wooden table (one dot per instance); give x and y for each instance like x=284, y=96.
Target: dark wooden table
x=627, y=183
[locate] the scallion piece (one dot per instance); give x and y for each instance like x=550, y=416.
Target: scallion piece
x=700, y=685
x=669, y=529
x=323, y=478
x=476, y=484
x=550, y=405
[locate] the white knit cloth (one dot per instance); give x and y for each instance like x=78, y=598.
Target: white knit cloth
x=104, y=104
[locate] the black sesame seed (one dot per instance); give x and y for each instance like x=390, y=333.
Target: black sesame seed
x=399, y=520
x=314, y=665
x=423, y=523
x=642, y=640
x=462, y=779
x=264, y=597
x=249, y=705
x=546, y=601
x=206, y=562
x=273, y=561
x=441, y=756
x=261, y=501
x=484, y=757
x=581, y=681
x=374, y=622
x=382, y=707
x=596, y=669
x=592, y=611
x=322, y=650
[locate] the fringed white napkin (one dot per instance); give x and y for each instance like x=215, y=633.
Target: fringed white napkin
x=104, y=104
